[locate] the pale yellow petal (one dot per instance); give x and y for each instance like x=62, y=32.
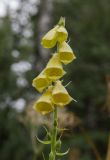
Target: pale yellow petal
x=44, y=104
x=66, y=53
x=62, y=34
x=41, y=82
x=60, y=95
x=50, y=39
x=54, y=69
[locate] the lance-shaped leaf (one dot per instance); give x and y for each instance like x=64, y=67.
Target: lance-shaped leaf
x=58, y=145
x=48, y=133
x=43, y=142
x=62, y=154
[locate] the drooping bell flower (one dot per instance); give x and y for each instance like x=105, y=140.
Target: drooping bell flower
x=65, y=53
x=62, y=34
x=54, y=69
x=44, y=104
x=50, y=39
x=60, y=95
x=41, y=82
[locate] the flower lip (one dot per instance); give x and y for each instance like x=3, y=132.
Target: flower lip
x=44, y=103
x=40, y=83
x=54, y=72
x=66, y=57
x=43, y=107
x=48, y=43
x=61, y=99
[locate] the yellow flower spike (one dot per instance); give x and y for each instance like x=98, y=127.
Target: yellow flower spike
x=44, y=104
x=62, y=34
x=60, y=95
x=65, y=53
x=54, y=69
x=41, y=82
x=50, y=39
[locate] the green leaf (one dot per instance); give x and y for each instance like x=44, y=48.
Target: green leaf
x=62, y=154
x=48, y=133
x=43, y=142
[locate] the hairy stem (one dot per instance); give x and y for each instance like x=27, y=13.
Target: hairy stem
x=52, y=155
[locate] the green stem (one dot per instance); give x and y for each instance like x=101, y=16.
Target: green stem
x=52, y=155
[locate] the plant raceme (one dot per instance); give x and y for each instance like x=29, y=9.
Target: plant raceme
x=48, y=81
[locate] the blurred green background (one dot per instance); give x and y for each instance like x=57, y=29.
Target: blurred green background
x=22, y=24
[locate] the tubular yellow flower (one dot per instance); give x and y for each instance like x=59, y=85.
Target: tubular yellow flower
x=65, y=53
x=56, y=93
x=62, y=34
x=50, y=39
x=44, y=104
x=41, y=82
x=60, y=95
x=54, y=69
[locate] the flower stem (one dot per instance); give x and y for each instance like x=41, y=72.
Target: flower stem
x=52, y=155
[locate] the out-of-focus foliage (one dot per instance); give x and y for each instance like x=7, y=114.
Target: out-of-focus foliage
x=89, y=28
x=88, y=22
x=13, y=137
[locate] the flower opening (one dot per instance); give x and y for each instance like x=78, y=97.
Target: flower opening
x=60, y=95
x=54, y=69
x=41, y=82
x=65, y=53
x=44, y=103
